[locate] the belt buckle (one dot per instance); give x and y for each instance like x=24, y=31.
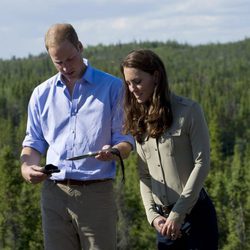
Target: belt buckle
x=166, y=211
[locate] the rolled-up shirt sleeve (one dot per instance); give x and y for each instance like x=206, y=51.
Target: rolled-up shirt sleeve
x=34, y=135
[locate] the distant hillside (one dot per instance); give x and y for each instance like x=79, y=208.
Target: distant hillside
x=216, y=75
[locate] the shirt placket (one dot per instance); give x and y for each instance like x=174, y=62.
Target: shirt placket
x=159, y=170
x=72, y=121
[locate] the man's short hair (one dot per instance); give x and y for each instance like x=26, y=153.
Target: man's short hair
x=59, y=33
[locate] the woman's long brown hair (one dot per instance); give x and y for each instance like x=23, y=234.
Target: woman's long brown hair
x=155, y=116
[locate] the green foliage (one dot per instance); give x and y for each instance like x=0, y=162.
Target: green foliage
x=30, y=235
x=238, y=193
x=134, y=232
x=216, y=75
x=20, y=224
x=10, y=182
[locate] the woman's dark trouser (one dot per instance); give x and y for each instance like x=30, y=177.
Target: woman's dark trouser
x=204, y=230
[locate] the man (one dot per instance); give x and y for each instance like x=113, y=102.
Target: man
x=75, y=112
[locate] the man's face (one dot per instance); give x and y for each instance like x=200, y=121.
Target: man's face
x=67, y=60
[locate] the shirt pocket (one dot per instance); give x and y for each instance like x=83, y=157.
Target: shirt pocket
x=167, y=141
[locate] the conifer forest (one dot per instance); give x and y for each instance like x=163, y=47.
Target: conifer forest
x=215, y=75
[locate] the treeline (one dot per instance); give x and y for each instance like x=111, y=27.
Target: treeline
x=216, y=75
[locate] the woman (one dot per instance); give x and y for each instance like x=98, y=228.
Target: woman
x=173, y=147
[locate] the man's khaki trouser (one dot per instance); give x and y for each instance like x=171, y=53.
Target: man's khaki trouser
x=79, y=217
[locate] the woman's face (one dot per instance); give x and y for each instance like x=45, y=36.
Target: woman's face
x=140, y=83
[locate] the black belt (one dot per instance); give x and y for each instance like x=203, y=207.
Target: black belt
x=165, y=210
x=69, y=182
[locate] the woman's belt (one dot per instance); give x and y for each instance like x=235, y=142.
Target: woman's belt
x=165, y=210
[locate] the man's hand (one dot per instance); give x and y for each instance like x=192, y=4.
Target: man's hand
x=33, y=174
x=105, y=154
x=30, y=169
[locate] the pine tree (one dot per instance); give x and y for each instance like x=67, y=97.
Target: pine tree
x=10, y=182
x=238, y=191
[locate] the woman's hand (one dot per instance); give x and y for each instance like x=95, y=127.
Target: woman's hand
x=168, y=228
x=159, y=222
x=171, y=229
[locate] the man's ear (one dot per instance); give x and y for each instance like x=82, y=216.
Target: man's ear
x=80, y=46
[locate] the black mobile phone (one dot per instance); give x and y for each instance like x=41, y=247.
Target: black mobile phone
x=50, y=169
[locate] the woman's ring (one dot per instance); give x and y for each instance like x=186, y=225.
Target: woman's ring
x=172, y=235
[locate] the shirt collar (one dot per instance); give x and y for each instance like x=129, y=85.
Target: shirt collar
x=59, y=80
x=88, y=76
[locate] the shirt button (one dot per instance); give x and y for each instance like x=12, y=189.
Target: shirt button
x=156, y=149
x=158, y=165
x=162, y=181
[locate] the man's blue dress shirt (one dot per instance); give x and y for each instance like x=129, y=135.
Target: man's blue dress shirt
x=63, y=126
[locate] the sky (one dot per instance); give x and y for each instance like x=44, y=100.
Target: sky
x=23, y=23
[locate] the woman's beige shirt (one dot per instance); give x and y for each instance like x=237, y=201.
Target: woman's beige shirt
x=173, y=168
